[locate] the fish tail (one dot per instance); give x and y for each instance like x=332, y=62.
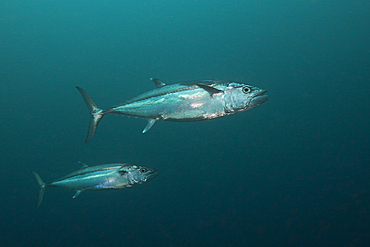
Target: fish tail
x=42, y=187
x=96, y=114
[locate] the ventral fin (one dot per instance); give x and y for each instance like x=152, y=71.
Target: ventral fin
x=158, y=82
x=149, y=125
x=78, y=192
x=83, y=165
x=210, y=90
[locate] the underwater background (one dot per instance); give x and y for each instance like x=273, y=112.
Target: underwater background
x=293, y=171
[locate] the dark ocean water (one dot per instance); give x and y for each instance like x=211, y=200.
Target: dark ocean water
x=291, y=172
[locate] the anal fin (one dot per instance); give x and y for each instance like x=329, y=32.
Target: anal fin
x=149, y=125
x=78, y=192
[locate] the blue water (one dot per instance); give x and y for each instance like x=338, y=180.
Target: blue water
x=290, y=172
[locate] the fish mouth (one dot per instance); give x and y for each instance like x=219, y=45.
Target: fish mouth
x=259, y=97
x=153, y=174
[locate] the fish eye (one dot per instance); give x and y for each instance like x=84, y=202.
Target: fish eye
x=246, y=89
x=142, y=170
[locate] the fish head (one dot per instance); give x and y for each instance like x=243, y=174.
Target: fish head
x=137, y=174
x=239, y=97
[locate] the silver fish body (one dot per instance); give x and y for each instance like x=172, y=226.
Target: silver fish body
x=101, y=177
x=182, y=102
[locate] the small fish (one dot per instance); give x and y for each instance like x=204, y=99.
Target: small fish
x=181, y=102
x=101, y=177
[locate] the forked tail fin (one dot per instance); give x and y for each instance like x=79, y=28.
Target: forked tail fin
x=95, y=114
x=42, y=187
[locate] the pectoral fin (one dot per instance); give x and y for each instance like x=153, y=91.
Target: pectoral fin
x=149, y=125
x=78, y=192
x=210, y=90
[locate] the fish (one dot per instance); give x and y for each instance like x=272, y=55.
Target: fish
x=181, y=102
x=101, y=177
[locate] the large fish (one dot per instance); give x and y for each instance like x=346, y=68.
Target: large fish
x=100, y=177
x=182, y=102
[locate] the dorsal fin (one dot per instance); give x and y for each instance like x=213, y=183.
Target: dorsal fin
x=210, y=90
x=158, y=82
x=83, y=165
